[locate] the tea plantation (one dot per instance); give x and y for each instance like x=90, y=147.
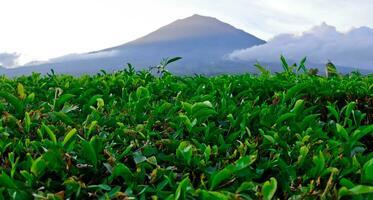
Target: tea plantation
x=133, y=135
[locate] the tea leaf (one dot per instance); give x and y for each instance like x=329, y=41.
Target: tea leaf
x=89, y=153
x=269, y=188
x=69, y=137
x=21, y=91
x=367, y=172
x=50, y=133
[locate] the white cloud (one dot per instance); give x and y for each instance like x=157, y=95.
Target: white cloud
x=320, y=44
x=9, y=60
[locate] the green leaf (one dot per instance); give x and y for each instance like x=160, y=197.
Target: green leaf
x=221, y=176
x=269, y=138
x=152, y=160
x=246, y=186
x=187, y=107
x=121, y=170
x=30, y=97
x=171, y=60
x=21, y=91
x=142, y=92
x=27, y=121
x=302, y=65
x=357, y=135
x=298, y=107
x=269, y=189
x=346, y=183
x=14, y=101
x=6, y=181
x=68, y=138
x=357, y=190
x=182, y=189
x=186, y=121
x=185, y=152
x=203, y=110
x=285, y=65
x=89, y=153
x=38, y=167
x=50, y=133
x=303, y=154
x=319, y=162
x=333, y=112
x=367, y=173
x=207, y=153
x=244, y=162
x=63, y=99
x=263, y=70
x=207, y=195
x=138, y=157
x=295, y=90
x=349, y=109
x=342, y=131
x=101, y=186
x=284, y=117
x=63, y=117
x=361, y=189
x=92, y=101
x=67, y=109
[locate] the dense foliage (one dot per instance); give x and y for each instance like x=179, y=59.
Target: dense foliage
x=132, y=135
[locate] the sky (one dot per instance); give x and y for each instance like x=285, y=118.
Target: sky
x=44, y=29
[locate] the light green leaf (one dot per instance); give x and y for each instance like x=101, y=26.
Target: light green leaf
x=269, y=189
x=50, y=133
x=342, y=131
x=38, y=167
x=182, y=189
x=185, y=152
x=68, y=137
x=21, y=91
x=101, y=186
x=27, y=121
x=357, y=190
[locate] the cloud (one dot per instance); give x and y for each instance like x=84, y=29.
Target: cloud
x=320, y=44
x=9, y=60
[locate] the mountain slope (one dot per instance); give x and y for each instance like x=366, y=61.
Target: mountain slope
x=201, y=41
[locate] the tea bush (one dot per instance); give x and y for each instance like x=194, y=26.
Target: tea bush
x=133, y=135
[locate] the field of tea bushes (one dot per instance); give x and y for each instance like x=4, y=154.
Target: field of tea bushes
x=133, y=135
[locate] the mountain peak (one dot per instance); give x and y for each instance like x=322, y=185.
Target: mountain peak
x=199, y=17
x=195, y=26
x=195, y=33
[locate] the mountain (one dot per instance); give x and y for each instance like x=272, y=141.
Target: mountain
x=202, y=41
